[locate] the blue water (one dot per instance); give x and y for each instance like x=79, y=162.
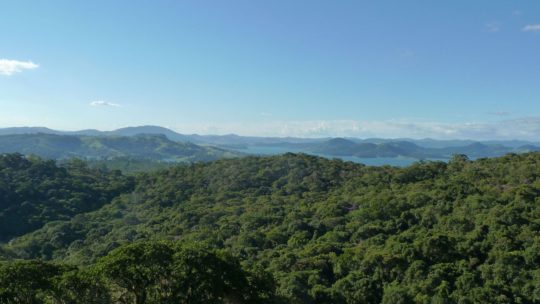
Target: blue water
x=377, y=161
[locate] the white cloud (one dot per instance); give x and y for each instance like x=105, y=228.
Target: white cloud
x=532, y=28
x=10, y=67
x=493, y=27
x=523, y=128
x=103, y=103
x=499, y=113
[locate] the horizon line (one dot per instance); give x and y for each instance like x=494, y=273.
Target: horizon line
x=256, y=136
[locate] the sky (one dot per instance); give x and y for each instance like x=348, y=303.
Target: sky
x=448, y=70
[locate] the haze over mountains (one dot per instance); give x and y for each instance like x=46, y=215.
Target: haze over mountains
x=162, y=144
x=141, y=146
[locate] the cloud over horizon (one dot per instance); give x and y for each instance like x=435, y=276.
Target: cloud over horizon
x=103, y=103
x=492, y=27
x=499, y=113
x=532, y=28
x=527, y=128
x=9, y=67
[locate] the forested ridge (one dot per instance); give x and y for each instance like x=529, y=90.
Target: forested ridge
x=149, y=147
x=34, y=192
x=285, y=229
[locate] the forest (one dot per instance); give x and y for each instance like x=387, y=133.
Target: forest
x=292, y=228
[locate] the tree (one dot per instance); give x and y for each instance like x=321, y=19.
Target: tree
x=76, y=286
x=202, y=276
x=138, y=271
x=26, y=281
x=163, y=272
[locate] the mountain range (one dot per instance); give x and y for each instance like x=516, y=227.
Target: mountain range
x=159, y=143
x=140, y=146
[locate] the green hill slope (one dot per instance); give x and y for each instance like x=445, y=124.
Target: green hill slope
x=154, y=147
x=335, y=232
x=34, y=192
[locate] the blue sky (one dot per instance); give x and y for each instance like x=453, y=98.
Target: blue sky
x=458, y=69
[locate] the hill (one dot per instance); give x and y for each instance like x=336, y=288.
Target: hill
x=153, y=147
x=330, y=231
x=399, y=148
x=340, y=147
x=34, y=192
x=360, y=150
x=149, y=130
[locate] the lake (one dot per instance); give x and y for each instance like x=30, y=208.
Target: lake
x=372, y=161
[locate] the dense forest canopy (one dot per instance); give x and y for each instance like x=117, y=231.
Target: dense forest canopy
x=293, y=228
x=149, y=272
x=34, y=192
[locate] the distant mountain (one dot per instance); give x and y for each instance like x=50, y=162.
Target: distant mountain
x=341, y=147
x=28, y=130
x=527, y=148
x=345, y=147
x=333, y=147
x=233, y=139
x=153, y=130
x=478, y=150
x=228, y=139
x=444, y=143
x=155, y=147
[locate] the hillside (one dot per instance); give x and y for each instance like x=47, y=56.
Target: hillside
x=360, y=150
x=153, y=147
x=341, y=147
x=402, y=148
x=330, y=231
x=34, y=192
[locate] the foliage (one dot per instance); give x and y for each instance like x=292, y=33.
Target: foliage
x=26, y=281
x=34, y=192
x=145, y=272
x=128, y=165
x=327, y=231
